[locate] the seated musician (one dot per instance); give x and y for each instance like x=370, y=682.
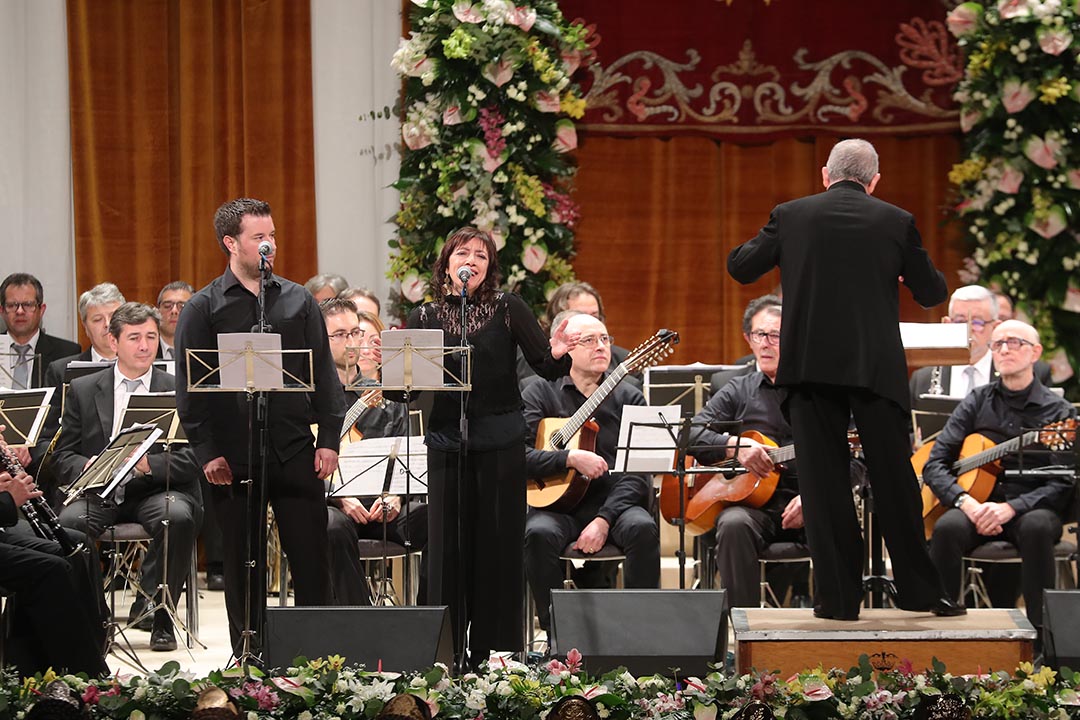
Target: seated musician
x=615, y=505
x=1026, y=510
x=54, y=609
x=91, y=418
x=352, y=334
x=742, y=532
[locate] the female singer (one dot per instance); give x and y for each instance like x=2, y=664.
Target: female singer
x=476, y=493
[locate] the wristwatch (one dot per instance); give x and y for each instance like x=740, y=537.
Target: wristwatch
x=960, y=500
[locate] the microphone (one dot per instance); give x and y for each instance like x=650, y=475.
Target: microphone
x=464, y=274
x=265, y=248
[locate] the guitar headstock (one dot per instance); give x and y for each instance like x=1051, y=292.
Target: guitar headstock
x=1060, y=435
x=653, y=350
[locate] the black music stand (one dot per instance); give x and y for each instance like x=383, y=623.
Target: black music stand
x=658, y=440
x=253, y=364
x=689, y=386
x=23, y=413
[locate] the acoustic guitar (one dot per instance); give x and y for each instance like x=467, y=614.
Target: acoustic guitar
x=712, y=493
x=562, y=492
x=977, y=468
x=349, y=434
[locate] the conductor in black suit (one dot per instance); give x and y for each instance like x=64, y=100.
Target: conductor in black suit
x=840, y=253
x=90, y=419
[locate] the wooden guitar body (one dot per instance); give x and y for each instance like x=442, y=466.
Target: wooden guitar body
x=978, y=483
x=560, y=493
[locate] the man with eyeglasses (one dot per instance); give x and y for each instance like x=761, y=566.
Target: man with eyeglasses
x=753, y=400
x=170, y=301
x=1025, y=509
x=615, y=505
x=29, y=349
x=978, y=306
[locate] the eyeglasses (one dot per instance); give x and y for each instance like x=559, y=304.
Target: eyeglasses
x=169, y=305
x=976, y=323
x=341, y=335
x=591, y=340
x=1014, y=344
x=760, y=338
x=28, y=306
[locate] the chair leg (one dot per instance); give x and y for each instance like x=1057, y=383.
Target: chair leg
x=568, y=581
x=977, y=586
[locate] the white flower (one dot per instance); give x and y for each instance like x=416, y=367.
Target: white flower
x=305, y=715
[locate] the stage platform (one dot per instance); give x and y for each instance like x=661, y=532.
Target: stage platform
x=792, y=640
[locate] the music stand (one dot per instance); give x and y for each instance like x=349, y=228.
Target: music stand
x=929, y=415
x=688, y=386
x=159, y=410
x=927, y=344
x=374, y=467
x=412, y=359
x=23, y=412
x=254, y=364
x=651, y=436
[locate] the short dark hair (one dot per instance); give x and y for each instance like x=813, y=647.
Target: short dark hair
x=173, y=286
x=229, y=216
x=336, y=306
x=132, y=313
x=765, y=302
x=560, y=299
x=350, y=292
x=440, y=275
x=17, y=279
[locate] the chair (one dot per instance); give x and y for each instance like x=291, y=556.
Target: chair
x=779, y=552
x=1004, y=552
x=608, y=553
x=127, y=563
x=380, y=584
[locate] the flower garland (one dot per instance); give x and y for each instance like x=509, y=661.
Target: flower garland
x=328, y=689
x=488, y=130
x=1019, y=183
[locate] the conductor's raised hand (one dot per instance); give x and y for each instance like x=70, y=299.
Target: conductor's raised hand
x=325, y=462
x=563, y=342
x=218, y=472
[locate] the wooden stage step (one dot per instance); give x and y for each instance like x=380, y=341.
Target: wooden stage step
x=791, y=640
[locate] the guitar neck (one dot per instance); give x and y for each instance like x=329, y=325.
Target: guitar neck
x=782, y=454
x=357, y=410
x=573, y=424
x=998, y=451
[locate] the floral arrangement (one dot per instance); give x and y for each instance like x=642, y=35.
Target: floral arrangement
x=1019, y=183
x=488, y=127
x=327, y=689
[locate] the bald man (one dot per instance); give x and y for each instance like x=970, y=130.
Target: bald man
x=1026, y=510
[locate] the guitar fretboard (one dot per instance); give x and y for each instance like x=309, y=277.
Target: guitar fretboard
x=998, y=451
x=561, y=437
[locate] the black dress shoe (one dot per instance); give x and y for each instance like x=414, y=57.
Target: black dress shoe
x=822, y=615
x=162, y=639
x=945, y=607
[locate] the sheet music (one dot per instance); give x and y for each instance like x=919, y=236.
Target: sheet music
x=16, y=407
x=422, y=366
x=262, y=370
x=647, y=449
x=362, y=466
x=933, y=335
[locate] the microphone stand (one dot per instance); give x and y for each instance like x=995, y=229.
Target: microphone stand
x=258, y=409
x=463, y=450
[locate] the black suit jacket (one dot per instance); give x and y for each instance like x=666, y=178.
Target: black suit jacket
x=50, y=349
x=840, y=253
x=920, y=379
x=54, y=374
x=87, y=426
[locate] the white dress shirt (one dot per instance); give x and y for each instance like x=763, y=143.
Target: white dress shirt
x=120, y=394
x=958, y=380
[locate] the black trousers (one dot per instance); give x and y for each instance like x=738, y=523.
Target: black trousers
x=92, y=516
x=55, y=607
x=819, y=417
x=475, y=546
x=347, y=570
x=1034, y=534
x=299, y=503
x=742, y=533
x=548, y=533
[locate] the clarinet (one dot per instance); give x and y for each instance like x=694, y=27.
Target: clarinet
x=44, y=522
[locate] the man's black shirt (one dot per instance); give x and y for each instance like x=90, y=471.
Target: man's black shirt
x=216, y=422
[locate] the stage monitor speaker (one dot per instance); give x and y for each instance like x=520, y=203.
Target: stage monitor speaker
x=402, y=638
x=648, y=631
x=1061, y=642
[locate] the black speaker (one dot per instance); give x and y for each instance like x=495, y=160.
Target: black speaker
x=649, y=631
x=402, y=638
x=1061, y=642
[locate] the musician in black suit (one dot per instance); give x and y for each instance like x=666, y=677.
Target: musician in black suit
x=23, y=306
x=1027, y=510
x=615, y=505
x=96, y=307
x=52, y=621
x=840, y=253
x=91, y=418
